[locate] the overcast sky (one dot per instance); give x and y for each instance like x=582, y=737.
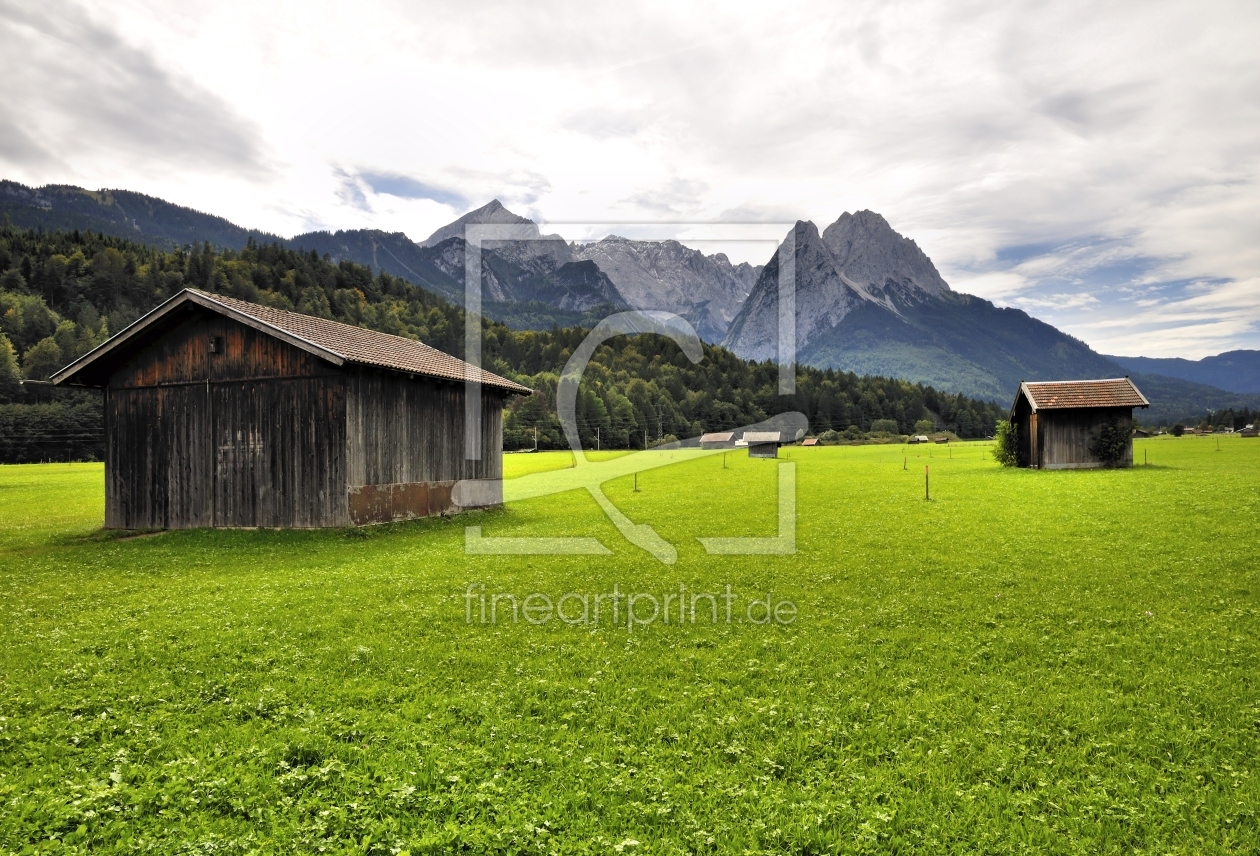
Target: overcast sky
x=1094, y=164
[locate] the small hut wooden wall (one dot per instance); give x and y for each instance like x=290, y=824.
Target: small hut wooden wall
x=1057, y=421
x=763, y=444
x=225, y=413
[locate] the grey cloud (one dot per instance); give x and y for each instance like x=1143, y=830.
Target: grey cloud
x=18, y=147
x=77, y=87
x=677, y=196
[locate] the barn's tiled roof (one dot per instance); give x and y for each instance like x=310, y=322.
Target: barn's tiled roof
x=368, y=347
x=1065, y=394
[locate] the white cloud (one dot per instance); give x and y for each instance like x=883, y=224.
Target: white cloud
x=1031, y=149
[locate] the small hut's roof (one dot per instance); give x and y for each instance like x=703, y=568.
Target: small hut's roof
x=763, y=437
x=330, y=340
x=717, y=437
x=810, y=441
x=1075, y=394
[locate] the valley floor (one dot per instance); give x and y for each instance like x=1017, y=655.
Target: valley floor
x=1051, y=662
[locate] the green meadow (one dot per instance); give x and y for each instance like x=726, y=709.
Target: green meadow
x=1030, y=662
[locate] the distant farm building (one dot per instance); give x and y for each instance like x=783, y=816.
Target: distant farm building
x=718, y=440
x=1250, y=431
x=941, y=440
x=1056, y=422
x=810, y=441
x=763, y=444
x=220, y=412
x=918, y=438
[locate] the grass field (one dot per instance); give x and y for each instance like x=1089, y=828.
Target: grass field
x=1033, y=662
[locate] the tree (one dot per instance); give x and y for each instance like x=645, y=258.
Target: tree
x=1111, y=444
x=1006, y=443
x=924, y=426
x=9, y=374
x=41, y=359
x=25, y=319
x=888, y=426
x=1177, y=430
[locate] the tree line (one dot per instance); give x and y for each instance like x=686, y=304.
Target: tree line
x=64, y=292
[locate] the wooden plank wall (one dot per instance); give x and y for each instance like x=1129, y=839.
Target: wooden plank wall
x=253, y=435
x=280, y=452
x=403, y=430
x=158, y=471
x=1065, y=435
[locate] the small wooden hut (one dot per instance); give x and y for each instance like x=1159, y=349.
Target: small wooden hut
x=224, y=413
x=810, y=441
x=763, y=444
x=1056, y=422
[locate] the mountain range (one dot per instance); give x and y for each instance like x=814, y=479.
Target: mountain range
x=1237, y=371
x=868, y=300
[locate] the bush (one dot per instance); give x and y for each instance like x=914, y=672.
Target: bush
x=886, y=426
x=829, y=437
x=1111, y=443
x=1006, y=443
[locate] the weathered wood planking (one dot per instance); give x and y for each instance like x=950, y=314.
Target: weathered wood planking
x=1064, y=436
x=252, y=434
x=404, y=430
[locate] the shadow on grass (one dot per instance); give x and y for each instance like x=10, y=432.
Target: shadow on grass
x=415, y=526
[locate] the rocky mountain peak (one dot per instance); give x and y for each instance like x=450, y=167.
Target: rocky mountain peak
x=490, y=213
x=859, y=260
x=880, y=263
x=668, y=275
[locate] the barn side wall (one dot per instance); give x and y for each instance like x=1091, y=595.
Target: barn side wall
x=405, y=447
x=1064, y=436
x=253, y=435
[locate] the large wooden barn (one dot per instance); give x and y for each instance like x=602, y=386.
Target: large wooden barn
x=1057, y=421
x=220, y=412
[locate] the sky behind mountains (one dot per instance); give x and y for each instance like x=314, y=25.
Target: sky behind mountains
x=1094, y=164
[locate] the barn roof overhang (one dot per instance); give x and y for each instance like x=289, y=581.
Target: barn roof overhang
x=380, y=350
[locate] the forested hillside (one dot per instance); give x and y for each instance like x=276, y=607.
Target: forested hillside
x=62, y=293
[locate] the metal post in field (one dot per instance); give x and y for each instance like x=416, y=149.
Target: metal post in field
x=927, y=490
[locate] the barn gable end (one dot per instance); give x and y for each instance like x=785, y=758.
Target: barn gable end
x=250, y=434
